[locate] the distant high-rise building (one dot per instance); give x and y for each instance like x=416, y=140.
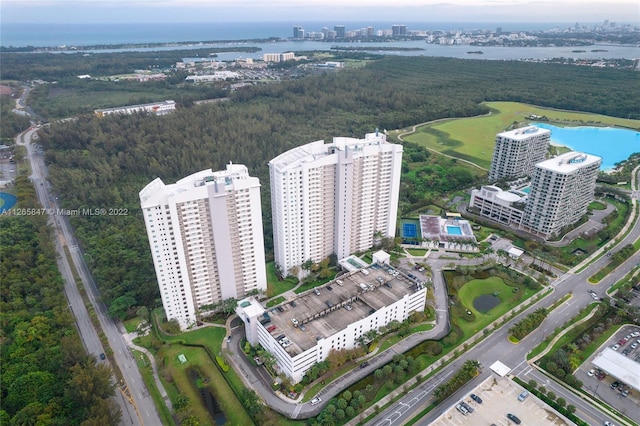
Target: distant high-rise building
x=399, y=30
x=499, y=30
x=298, y=32
x=517, y=151
x=561, y=190
x=370, y=32
x=206, y=239
x=332, y=198
x=340, y=31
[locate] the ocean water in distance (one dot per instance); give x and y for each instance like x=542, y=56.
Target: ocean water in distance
x=48, y=35
x=612, y=144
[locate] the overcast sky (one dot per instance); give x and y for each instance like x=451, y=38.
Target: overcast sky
x=402, y=11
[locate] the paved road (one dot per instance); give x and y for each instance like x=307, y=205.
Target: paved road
x=64, y=236
x=497, y=347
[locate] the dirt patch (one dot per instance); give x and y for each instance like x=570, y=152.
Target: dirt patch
x=5, y=90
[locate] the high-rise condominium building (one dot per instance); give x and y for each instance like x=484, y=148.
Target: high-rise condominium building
x=561, y=190
x=298, y=32
x=517, y=151
x=333, y=198
x=205, y=233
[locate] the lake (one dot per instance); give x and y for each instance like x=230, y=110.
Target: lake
x=612, y=144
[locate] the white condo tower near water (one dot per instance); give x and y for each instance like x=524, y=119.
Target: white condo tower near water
x=206, y=239
x=332, y=198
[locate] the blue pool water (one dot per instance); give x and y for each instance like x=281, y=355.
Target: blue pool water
x=454, y=230
x=526, y=189
x=613, y=145
x=7, y=201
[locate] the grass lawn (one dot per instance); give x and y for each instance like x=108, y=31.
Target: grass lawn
x=474, y=288
x=197, y=357
x=275, y=286
x=417, y=252
x=473, y=138
x=275, y=301
x=132, y=324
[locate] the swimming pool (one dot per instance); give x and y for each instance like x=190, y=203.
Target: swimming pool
x=613, y=145
x=454, y=230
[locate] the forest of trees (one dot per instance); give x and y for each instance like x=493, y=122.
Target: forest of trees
x=47, y=378
x=105, y=162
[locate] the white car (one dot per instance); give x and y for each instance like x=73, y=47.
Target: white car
x=591, y=373
x=594, y=296
x=615, y=347
x=316, y=400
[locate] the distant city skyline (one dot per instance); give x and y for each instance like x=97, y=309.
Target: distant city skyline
x=331, y=11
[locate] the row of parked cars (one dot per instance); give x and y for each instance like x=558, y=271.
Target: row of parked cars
x=465, y=408
x=626, y=339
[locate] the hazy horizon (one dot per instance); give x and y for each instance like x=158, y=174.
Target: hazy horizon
x=329, y=11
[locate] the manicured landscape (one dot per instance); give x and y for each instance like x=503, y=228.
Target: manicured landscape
x=473, y=138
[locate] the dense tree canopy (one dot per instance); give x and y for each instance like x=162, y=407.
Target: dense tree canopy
x=105, y=162
x=47, y=378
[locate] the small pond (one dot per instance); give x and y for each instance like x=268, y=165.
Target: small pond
x=486, y=302
x=207, y=398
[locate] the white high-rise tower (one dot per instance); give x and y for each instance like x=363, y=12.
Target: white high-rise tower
x=517, y=151
x=206, y=239
x=561, y=190
x=332, y=198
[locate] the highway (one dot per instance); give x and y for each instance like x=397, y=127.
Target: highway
x=143, y=410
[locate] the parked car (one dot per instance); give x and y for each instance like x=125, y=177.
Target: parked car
x=102, y=356
x=615, y=347
x=316, y=400
x=467, y=406
x=461, y=408
x=615, y=384
x=523, y=396
x=476, y=398
x=608, y=423
x=591, y=372
x=513, y=418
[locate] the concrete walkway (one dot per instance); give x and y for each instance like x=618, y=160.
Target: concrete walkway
x=128, y=337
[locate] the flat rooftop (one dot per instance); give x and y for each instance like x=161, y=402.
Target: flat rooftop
x=325, y=314
x=524, y=132
x=569, y=162
x=619, y=366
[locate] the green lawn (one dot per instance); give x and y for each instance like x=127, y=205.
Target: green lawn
x=417, y=252
x=475, y=288
x=275, y=286
x=197, y=357
x=473, y=138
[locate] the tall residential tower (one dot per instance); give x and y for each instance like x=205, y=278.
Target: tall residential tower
x=206, y=239
x=332, y=198
x=561, y=190
x=517, y=151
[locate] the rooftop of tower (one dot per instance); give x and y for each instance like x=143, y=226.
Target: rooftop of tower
x=569, y=162
x=524, y=132
x=314, y=150
x=157, y=189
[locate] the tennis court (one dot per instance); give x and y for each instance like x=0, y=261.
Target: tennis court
x=409, y=230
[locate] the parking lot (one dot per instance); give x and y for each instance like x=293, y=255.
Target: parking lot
x=499, y=397
x=599, y=384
